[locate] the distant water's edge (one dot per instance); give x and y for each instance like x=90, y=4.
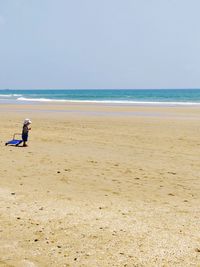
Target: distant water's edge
x=187, y=97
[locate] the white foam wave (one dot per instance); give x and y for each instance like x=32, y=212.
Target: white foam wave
x=40, y=99
x=10, y=95
x=111, y=101
x=5, y=95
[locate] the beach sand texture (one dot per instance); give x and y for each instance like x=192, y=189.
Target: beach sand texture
x=94, y=188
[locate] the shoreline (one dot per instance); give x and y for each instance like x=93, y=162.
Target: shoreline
x=24, y=101
x=99, y=109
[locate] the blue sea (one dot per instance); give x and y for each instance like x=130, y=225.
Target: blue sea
x=131, y=97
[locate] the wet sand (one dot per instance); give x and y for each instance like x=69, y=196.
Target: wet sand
x=100, y=186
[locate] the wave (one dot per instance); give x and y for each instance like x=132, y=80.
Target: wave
x=6, y=96
x=111, y=101
x=41, y=99
x=10, y=95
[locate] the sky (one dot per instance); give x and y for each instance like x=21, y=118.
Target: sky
x=99, y=44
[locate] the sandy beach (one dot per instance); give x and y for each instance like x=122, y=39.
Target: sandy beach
x=100, y=185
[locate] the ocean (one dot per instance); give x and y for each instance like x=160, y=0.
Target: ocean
x=123, y=96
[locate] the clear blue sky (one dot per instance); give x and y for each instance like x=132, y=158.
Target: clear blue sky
x=99, y=44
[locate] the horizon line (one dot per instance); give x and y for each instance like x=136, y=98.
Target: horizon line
x=7, y=89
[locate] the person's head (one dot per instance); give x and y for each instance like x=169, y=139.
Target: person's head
x=27, y=122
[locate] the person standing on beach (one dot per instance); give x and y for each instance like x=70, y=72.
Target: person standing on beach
x=25, y=131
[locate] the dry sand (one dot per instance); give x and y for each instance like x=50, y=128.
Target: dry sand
x=100, y=186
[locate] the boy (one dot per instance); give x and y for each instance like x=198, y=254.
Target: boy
x=25, y=131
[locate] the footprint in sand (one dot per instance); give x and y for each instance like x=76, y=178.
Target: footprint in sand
x=64, y=179
x=115, y=193
x=127, y=171
x=93, y=161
